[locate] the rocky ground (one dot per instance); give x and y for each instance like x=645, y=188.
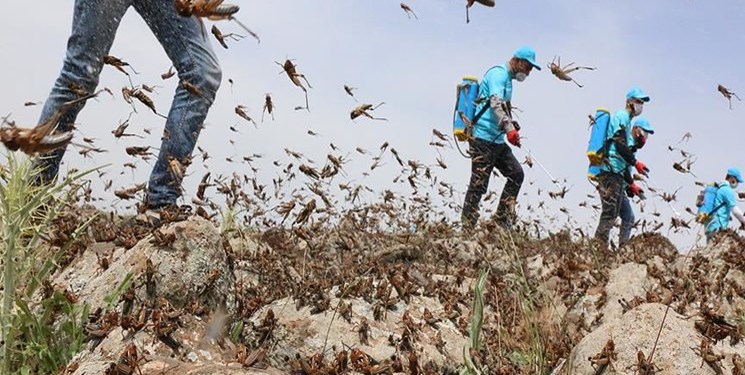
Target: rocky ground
x=188, y=299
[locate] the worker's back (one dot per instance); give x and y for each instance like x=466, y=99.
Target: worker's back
x=725, y=200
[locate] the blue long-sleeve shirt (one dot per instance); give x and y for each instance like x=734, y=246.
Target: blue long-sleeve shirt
x=496, y=82
x=724, y=202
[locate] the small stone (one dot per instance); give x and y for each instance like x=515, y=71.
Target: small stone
x=206, y=355
x=192, y=357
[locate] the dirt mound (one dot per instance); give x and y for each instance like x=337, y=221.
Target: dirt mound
x=353, y=300
x=187, y=299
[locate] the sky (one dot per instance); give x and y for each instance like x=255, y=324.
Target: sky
x=676, y=51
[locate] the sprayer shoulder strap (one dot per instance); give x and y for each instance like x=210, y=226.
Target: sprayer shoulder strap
x=715, y=198
x=480, y=113
x=483, y=100
x=716, y=208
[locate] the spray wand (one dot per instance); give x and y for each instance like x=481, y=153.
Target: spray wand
x=532, y=157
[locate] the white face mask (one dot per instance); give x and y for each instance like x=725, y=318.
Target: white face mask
x=520, y=76
x=734, y=184
x=638, y=108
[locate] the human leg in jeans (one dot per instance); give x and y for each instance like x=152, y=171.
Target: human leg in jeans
x=187, y=45
x=510, y=168
x=482, y=164
x=611, y=193
x=627, y=221
x=94, y=26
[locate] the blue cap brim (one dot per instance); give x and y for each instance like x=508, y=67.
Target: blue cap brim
x=643, y=124
x=736, y=174
x=647, y=128
x=637, y=93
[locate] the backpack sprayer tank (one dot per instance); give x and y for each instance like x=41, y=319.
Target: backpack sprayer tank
x=705, y=202
x=465, y=107
x=597, y=147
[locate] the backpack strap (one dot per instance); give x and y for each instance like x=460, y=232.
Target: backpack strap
x=716, y=208
x=720, y=205
x=481, y=112
x=482, y=100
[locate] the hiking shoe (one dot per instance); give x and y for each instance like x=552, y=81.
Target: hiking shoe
x=157, y=216
x=151, y=217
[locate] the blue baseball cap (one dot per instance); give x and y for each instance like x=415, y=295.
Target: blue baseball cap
x=527, y=53
x=734, y=172
x=637, y=93
x=644, y=124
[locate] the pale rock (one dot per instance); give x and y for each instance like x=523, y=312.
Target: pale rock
x=182, y=268
x=299, y=331
x=627, y=281
x=636, y=330
x=192, y=357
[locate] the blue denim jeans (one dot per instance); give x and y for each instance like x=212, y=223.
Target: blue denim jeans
x=610, y=188
x=627, y=221
x=186, y=43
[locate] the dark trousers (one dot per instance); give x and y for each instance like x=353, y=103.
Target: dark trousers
x=610, y=187
x=485, y=156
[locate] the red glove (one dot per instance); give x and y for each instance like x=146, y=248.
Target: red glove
x=641, y=167
x=634, y=189
x=513, y=137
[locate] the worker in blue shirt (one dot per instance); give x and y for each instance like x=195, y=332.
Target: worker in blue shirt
x=639, y=134
x=487, y=145
x=725, y=204
x=619, y=158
